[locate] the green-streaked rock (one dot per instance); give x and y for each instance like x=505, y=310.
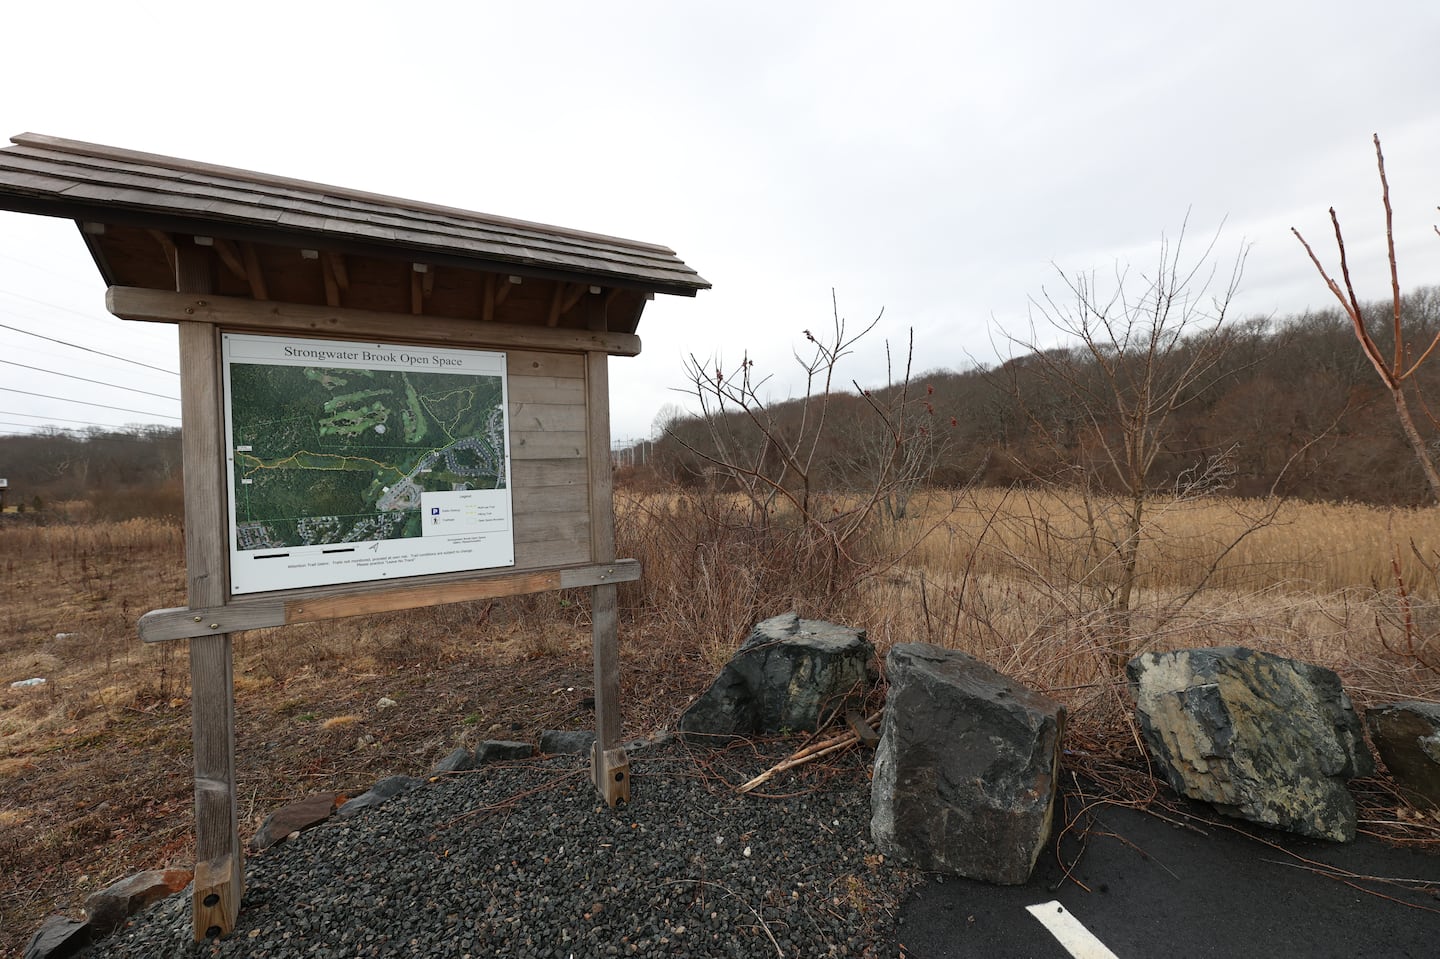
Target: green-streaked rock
x=1258, y=736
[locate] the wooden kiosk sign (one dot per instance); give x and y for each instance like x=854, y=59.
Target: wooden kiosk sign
x=386, y=405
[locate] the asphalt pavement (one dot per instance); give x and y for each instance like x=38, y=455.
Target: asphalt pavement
x=1193, y=887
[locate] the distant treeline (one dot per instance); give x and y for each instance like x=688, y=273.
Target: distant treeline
x=1293, y=405
x=121, y=473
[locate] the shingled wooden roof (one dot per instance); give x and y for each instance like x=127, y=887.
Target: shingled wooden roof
x=276, y=238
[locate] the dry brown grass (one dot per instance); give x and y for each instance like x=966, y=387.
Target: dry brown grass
x=1316, y=547
x=94, y=765
x=1009, y=577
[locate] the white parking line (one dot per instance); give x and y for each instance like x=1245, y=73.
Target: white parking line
x=1077, y=940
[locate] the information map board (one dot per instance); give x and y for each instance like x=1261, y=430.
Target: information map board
x=352, y=462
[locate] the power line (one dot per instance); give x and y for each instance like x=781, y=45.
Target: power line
x=53, y=306
x=86, y=379
x=38, y=426
x=57, y=419
x=66, y=399
x=158, y=369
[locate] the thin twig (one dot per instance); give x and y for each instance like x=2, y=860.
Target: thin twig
x=764, y=926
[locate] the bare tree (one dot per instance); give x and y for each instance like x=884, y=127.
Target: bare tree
x=1102, y=412
x=1396, y=370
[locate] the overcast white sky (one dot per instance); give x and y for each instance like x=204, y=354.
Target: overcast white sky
x=939, y=160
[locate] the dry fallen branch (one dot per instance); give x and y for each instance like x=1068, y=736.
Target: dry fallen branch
x=809, y=754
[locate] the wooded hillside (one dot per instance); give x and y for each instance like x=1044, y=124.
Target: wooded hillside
x=122, y=473
x=1290, y=404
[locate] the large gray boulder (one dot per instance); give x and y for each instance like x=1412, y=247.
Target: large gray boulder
x=783, y=677
x=1258, y=736
x=1407, y=736
x=965, y=773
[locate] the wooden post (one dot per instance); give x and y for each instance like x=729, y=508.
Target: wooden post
x=609, y=766
x=219, y=857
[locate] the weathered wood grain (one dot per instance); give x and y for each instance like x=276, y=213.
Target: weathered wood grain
x=531, y=474
x=609, y=767
x=546, y=417
x=218, y=853
x=546, y=389
x=521, y=362
x=570, y=444
x=64, y=182
x=267, y=610
x=158, y=306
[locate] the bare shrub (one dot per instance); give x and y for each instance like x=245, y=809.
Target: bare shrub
x=781, y=506
x=1103, y=415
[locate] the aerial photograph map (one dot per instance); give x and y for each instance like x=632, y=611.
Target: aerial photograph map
x=326, y=455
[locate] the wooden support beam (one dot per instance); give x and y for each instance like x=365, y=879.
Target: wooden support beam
x=231, y=256
x=216, y=899
x=166, y=244
x=555, y=298
x=157, y=306
x=564, y=300
x=487, y=309
x=609, y=766
x=220, y=859
x=253, y=273
x=266, y=610
x=332, y=286
x=505, y=288
x=339, y=269
x=417, y=293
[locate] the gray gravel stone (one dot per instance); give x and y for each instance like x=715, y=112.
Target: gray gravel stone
x=459, y=760
x=380, y=793
x=526, y=860
x=554, y=742
x=501, y=750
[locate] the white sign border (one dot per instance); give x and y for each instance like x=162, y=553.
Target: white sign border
x=373, y=560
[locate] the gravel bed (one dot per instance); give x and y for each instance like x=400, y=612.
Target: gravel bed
x=524, y=860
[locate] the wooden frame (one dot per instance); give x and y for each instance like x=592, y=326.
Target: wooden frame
x=213, y=614
x=207, y=247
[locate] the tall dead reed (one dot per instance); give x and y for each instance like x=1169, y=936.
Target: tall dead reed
x=1010, y=577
